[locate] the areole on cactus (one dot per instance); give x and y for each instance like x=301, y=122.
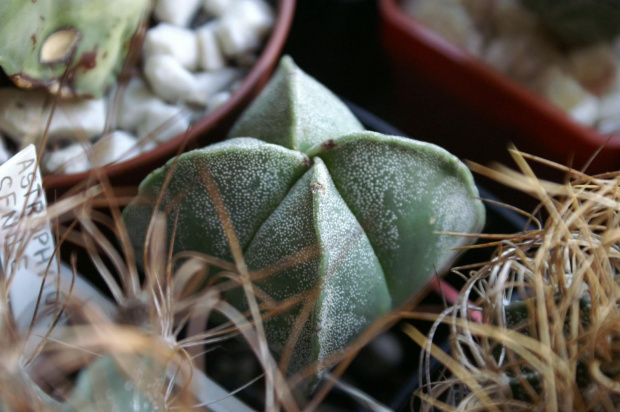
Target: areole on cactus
x=83, y=41
x=360, y=213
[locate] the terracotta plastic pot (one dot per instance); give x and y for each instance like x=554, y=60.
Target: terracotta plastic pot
x=210, y=128
x=525, y=119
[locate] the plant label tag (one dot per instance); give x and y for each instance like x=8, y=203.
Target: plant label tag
x=27, y=248
x=26, y=241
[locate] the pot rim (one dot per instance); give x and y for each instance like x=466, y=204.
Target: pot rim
x=395, y=19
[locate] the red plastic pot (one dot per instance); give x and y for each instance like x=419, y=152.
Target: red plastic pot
x=524, y=118
x=210, y=128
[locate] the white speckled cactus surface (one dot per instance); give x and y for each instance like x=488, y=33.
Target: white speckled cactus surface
x=359, y=211
x=91, y=38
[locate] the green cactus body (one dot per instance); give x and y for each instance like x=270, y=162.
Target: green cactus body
x=402, y=191
x=344, y=269
x=578, y=22
x=301, y=112
x=253, y=177
x=361, y=211
x=102, y=386
x=99, y=30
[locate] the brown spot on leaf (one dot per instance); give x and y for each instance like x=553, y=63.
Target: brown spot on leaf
x=329, y=145
x=89, y=60
x=316, y=187
x=33, y=38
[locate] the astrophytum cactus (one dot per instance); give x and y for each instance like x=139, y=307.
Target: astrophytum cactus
x=104, y=386
x=347, y=219
x=42, y=41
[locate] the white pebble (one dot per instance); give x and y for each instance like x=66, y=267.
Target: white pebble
x=595, y=67
x=479, y=10
x=113, y=147
x=608, y=125
x=586, y=112
x=137, y=96
x=450, y=20
x=168, y=79
x=524, y=57
x=78, y=118
x=236, y=38
x=162, y=122
x=147, y=145
x=217, y=8
x=70, y=159
x=178, y=42
x=256, y=15
x=24, y=115
x=564, y=91
x=217, y=100
x=177, y=12
x=511, y=18
x=5, y=154
x=210, y=55
x=609, y=107
x=209, y=83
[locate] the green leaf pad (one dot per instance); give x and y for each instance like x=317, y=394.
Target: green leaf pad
x=104, y=29
x=252, y=177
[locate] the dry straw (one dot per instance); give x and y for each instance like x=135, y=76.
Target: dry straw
x=141, y=333
x=549, y=299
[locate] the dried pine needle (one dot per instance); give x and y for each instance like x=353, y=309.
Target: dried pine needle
x=550, y=300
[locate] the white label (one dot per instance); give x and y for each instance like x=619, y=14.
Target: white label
x=27, y=246
x=26, y=241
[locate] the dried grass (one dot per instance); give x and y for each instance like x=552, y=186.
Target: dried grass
x=565, y=353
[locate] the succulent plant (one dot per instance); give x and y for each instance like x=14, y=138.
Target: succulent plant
x=346, y=220
x=102, y=386
x=41, y=40
x=578, y=22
